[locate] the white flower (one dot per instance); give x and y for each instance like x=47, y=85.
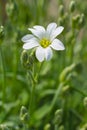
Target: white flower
x=44, y=40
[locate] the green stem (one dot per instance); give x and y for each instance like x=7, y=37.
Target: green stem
x=15, y=63
x=38, y=74
x=56, y=127
x=58, y=91
x=34, y=80
x=31, y=106
x=25, y=127
x=79, y=91
x=77, y=115
x=33, y=83
x=4, y=75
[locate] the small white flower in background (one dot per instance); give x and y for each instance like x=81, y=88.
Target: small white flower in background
x=44, y=40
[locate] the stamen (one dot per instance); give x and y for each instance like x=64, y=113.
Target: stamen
x=45, y=42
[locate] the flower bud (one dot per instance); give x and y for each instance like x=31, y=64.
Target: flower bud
x=79, y=67
x=70, y=37
x=24, y=57
x=72, y=6
x=24, y=116
x=26, y=60
x=58, y=116
x=23, y=110
x=73, y=41
x=60, y=2
x=84, y=127
x=81, y=20
x=1, y=32
x=65, y=17
x=12, y=10
x=61, y=127
x=75, y=21
x=9, y=9
x=1, y=29
x=3, y=127
x=66, y=72
x=47, y=127
x=61, y=10
x=85, y=102
x=60, y=21
x=65, y=89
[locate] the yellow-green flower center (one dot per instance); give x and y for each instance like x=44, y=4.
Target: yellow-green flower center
x=45, y=42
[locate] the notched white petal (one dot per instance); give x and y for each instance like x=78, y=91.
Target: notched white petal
x=48, y=53
x=41, y=28
x=57, y=45
x=50, y=28
x=37, y=33
x=56, y=32
x=31, y=44
x=40, y=54
x=27, y=37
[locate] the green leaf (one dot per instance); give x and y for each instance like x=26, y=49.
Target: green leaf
x=42, y=111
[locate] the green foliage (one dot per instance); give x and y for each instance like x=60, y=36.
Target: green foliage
x=60, y=98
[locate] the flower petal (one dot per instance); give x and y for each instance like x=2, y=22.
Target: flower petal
x=27, y=37
x=37, y=33
x=41, y=28
x=48, y=53
x=56, y=32
x=57, y=45
x=31, y=44
x=51, y=27
x=40, y=53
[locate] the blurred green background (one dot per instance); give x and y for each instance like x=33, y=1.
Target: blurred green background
x=60, y=94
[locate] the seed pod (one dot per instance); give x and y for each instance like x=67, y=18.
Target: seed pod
x=72, y=6
x=47, y=127
x=61, y=10
x=58, y=116
x=24, y=116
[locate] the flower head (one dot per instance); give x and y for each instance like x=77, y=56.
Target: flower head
x=44, y=40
